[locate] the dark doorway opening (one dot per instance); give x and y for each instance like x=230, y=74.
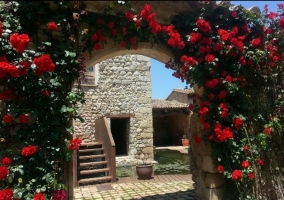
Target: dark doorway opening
x=120, y=133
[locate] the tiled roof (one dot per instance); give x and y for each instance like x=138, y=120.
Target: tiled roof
x=185, y=91
x=162, y=103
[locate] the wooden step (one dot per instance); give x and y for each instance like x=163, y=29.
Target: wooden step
x=93, y=171
x=90, y=150
x=90, y=144
x=98, y=179
x=93, y=163
x=92, y=156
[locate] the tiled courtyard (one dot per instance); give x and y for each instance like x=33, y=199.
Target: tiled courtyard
x=159, y=188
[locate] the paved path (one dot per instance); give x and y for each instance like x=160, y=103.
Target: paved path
x=161, y=187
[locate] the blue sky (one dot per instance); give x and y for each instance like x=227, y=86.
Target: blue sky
x=162, y=80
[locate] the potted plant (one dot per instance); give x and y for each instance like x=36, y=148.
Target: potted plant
x=185, y=141
x=144, y=171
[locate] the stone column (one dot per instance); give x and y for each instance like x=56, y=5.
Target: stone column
x=208, y=182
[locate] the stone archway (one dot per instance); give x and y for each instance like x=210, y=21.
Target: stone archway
x=208, y=182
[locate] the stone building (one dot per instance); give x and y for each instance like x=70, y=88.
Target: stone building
x=186, y=96
x=120, y=89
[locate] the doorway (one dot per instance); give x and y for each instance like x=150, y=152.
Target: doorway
x=120, y=132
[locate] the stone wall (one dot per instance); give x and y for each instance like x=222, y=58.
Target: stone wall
x=124, y=87
x=208, y=182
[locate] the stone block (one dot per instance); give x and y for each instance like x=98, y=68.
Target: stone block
x=208, y=165
x=215, y=180
x=213, y=194
x=148, y=150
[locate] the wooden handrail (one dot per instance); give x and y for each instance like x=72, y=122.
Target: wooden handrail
x=104, y=136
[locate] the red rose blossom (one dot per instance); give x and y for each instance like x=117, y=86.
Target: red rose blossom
x=267, y=130
x=3, y=172
x=234, y=14
x=6, y=161
x=237, y=175
x=245, y=164
x=6, y=194
x=74, y=144
x=19, y=42
x=246, y=148
x=238, y=122
x=7, y=118
x=123, y=44
x=44, y=63
x=39, y=196
x=209, y=58
x=260, y=162
x=29, y=151
x=251, y=175
x=203, y=26
x=220, y=169
x=24, y=118
x=52, y=26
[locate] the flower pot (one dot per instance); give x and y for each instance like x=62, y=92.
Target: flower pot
x=144, y=171
x=185, y=142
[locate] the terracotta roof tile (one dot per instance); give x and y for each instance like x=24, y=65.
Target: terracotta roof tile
x=162, y=103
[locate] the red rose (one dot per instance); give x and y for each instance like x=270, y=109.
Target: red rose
x=6, y=194
x=111, y=25
x=220, y=169
x=234, y=14
x=138, y=23
x=245, y=164
x=256, y=42
x=24, y=118
x=268, y=130
x=133, y=40
x=237, y=175
x=52, y=26
x=197, y=139
x=203, y=25
x=45, y=93
x=39, y=196
x=7, y=118
x=74, y=144
x=238, y=122
x=206, y=125
x=246, y=148
x=123, y=44
x=19, y=42
x=281, y=22
x=222, y=94
x=260, y=162
x=29, y=151
x=94, y=37
x=209, y=58
x=97, y=46
x=129, y=16
x=3, y=172
x=6, y=161
x=251, y=175
x=44, y=63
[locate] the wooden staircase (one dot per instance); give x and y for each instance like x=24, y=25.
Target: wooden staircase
x=94, y=162
x=92, y=165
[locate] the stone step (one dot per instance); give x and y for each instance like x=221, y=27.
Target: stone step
x=93, y=163
x=92, y=156
x=93, y=171
x=90, y=150
x=97, y=179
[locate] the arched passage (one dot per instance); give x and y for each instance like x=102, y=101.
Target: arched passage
x=159, y=53
x=120, y=70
